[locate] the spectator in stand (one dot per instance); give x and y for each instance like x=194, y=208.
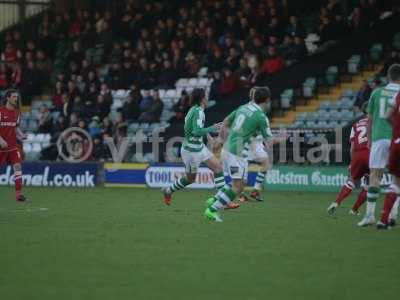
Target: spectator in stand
x=100, y=151
x=4, y=76
x=102, y=107
x=286, y=49
x=43, y=65
x=107, y=127
x=327, y=30
x=57, y=96
x=299, y=49
x=16, y=75
x=45, y=120
x=29, y=82
x=167, y=76
x=130, y=109
x=94, y=127
x=181, y=108
x=128, y=74
x=59, y=126
x=152, y=113
x=10, y=55
x=216, y=61
x=79, y=107
x=214, y=92
x=115, y=79
x=146, y=102
x=273, y=63
x=192, y=65
x=358, y=20
x=73, y=120
x=394, y=58
x=365, y=91
x=106, y=93
x=228, y=84
x=294, y=27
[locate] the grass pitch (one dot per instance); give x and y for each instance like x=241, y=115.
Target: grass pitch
x=125, y=244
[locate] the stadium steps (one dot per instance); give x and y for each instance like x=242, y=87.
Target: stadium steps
x=333, y=95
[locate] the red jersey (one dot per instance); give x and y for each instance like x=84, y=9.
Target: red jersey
x=9, y=120
x=358, y=135
x=395, y=120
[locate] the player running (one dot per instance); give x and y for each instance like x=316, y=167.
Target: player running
x=258, y=154
x=380, y=134
x=9, y=133
x=244, y=123
x=389, y=211
x=359, y=153
x=194, y=151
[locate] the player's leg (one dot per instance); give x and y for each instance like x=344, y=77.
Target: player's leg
x=362, y=197
x=260, y=178
x=394, y=213
x=394, y=189
x=372, y=195
x=15, y=161
x=357, y=169
x=215, y=165
x=344, y=192
x=238, y=171
x=378, y=161
x=192, y=162
x=390, y=199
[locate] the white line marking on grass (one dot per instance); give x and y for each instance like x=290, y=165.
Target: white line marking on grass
x=31, y=209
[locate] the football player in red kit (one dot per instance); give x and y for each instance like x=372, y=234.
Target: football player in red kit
x=358, y=166
x=9, y=134
x=393, y=166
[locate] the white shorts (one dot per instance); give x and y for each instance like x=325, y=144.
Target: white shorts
x=192, y=160
x=234, y=166
x=379, y=154
x=257, y=151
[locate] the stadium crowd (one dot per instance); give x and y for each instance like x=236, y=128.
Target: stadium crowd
x=150, y=47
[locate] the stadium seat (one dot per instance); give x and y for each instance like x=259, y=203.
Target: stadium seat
x=27, y=147
x=376, y=52
x=170, y=93
x=331, y=75
x=202, y=72
x=182, y=83
x=193, y=82
x=36, y=147
x=396, y=41
x=353, y=64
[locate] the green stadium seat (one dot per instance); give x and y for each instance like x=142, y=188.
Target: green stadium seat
x=376, y=52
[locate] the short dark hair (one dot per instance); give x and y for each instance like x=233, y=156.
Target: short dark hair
x=260, y=94
x=8, y=94
x=394, y=72
x=196, y=96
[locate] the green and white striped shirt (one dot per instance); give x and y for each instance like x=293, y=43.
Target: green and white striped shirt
x=194, y=130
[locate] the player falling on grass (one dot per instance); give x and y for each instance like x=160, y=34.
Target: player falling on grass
x=380, y=134
x=242, y=124
x=194, y=151
x=389, y=211
x=359, y=153
x=9, y=134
